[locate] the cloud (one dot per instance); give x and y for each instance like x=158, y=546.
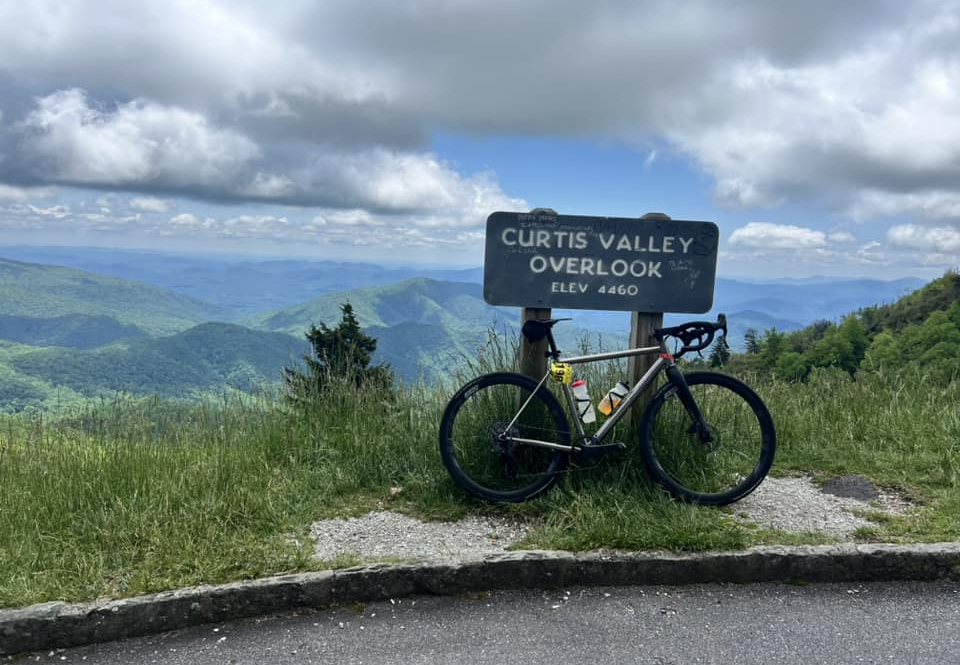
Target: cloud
x=57, y=211
x=934, y=205
x=142, y=145
x=67, y=139
x=944, y=239
x=841, y=237
x=21, y=194
x=850, y=106
x=150, y=204
x=777, y=236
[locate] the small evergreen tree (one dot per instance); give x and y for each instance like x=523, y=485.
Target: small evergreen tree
x=751, y=341
x=719, y=353
x=340, y=354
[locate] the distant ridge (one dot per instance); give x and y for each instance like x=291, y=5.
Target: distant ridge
x=78, y=331
x=210, y=357
x=43, y=291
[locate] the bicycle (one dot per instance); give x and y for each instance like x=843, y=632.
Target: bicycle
x=706, y=437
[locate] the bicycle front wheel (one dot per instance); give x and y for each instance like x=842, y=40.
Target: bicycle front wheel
x=478, y=435
x=726, y=464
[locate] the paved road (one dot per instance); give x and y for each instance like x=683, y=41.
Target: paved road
x=763, y=623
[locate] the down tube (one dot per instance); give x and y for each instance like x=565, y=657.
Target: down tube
x=632, y=395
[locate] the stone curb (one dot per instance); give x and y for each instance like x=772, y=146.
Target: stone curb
x=60, y=625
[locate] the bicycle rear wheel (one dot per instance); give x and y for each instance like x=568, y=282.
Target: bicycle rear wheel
x=737, y=454
x=476, y=438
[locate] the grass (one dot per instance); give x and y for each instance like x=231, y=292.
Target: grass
x=139, y=495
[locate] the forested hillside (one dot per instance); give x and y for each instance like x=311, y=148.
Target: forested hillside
x=46, y=292
x=424, y=327
x=208, y=358
x=922, y=329
x=77, y=331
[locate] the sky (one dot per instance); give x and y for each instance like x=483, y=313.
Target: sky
x=823, y=138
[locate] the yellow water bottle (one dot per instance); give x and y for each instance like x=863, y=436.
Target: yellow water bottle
x=612, y=399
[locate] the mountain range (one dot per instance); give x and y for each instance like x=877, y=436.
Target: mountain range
x=178, y=325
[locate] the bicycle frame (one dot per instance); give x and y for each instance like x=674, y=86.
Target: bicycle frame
x=664, y=360
x=646, y=380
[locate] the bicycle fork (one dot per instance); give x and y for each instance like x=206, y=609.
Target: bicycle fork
x=698, y=424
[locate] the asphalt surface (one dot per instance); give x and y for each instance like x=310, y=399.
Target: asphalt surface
x=916, y=623
x=60, y=625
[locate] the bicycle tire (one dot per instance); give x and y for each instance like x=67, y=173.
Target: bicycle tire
x=484, y=464
x=721, y=471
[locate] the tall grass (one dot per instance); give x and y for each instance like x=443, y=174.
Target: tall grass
x=131, y=495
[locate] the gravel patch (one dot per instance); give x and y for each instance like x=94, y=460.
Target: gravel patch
x=794, y=505
x=385, y=535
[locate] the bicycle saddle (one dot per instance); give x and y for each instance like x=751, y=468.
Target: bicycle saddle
x=537, y=329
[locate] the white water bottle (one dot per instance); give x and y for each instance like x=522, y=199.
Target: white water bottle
x=584, y=405
x=613, y=398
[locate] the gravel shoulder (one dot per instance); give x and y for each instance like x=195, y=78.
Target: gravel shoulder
x=794, y=505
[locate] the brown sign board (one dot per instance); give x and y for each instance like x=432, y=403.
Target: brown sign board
x=540, y=259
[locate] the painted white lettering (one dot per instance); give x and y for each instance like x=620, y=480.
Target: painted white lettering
x=606, y=241
x=509, y=236
x=568, y=287
x=686, y=243
x=538, y=264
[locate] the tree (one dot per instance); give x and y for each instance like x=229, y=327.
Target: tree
x=854, y=333
x=883, y=353
x=751, y=343
x=773, y=345
x=341, y=354
x=934, y=345
x=719, y=353
x=791, y=366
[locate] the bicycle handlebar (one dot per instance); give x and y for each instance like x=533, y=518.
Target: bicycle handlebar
x=695, y=335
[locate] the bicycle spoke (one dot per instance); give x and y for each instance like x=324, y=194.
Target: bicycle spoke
x=736, y=455
x=479, y=432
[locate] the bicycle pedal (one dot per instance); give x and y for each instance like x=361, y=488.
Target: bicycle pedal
x=590, y=453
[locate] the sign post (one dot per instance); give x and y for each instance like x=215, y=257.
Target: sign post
x=642, y=325
x=533, y=355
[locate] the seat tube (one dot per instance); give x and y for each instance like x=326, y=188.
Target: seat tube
x=572, y=407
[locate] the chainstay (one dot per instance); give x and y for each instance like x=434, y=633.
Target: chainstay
x=579, y=468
